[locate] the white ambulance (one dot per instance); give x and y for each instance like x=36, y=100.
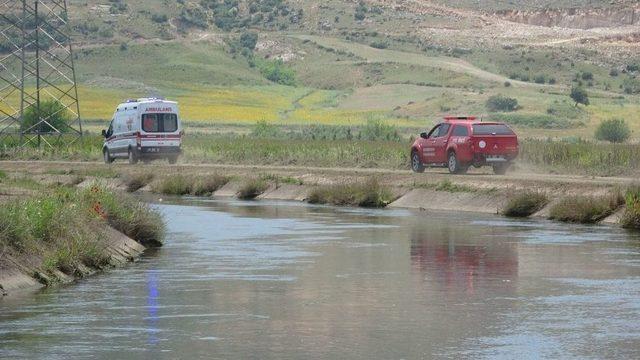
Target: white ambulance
x=144, y=129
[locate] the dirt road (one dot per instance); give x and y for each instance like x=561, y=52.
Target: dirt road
x=481, y=178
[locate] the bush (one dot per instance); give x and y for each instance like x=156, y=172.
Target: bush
x=159, y=18
x=585, y=209
x=580, y=96
x=51, y=111
x=248, y=40
x=631, y=217
x=614, y=130
x=501, y=103
x=369, y=194
x=539, y=79
x=525, y=204
x=277, y=72
x=631, y=85
x=379, y=44
x=251, y=189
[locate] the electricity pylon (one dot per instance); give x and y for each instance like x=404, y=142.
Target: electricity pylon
x=38, y=92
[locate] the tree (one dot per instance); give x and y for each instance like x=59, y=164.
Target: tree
x=579, y=95
x=501, y=103
x=51, y=111
x=614, y=130
x=248, y=40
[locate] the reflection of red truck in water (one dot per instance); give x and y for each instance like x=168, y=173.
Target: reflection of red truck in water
x=460, y=142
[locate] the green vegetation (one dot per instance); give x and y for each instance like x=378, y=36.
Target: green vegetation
x=536, y=121
x=252, y=188
x=367, y=194
x=631, y=217
x=52, y=116
x=138, y=180
x=501, y=103
x=580, y=96
x=448, y=186
x=614, y=130
x=190, y=185
x=276, y=71
x=580, y=156
x=64, y=228
x=525, y=203
x=585, y=209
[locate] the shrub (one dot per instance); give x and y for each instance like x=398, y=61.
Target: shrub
x=369, y=194
x=585, y=209
x=194, y=16
x=248, y=40
x=379, y=44
x=631, y=217
x=277, y=72
x=587, y=76
x=539, y=79
x=580, y=96
x=507, y=84
x=614, y=130
x=251, y=189
x=614, y=72
x=159, y=18
x=501, y=103
x=51, y=111
x=631, y=85
x=525, y=204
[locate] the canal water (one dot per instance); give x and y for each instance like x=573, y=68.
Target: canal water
x=282, y=280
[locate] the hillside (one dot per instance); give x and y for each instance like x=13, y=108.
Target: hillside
x=343, y=62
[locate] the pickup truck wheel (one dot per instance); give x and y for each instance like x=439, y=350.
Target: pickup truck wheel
x=133, y=157
x=107, y=157
x=416, y=163
x=500, y=169
x=453, y=164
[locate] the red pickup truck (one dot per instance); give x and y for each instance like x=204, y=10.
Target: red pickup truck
x=460, y=142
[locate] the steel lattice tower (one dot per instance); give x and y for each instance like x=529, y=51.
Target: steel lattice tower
x=37, y=74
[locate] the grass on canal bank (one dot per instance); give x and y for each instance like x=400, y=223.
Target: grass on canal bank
x=525, y=204
x=631, y=217
x=252, y=188
x=65, y=228
x=204, y=185
x=586, y=209
x=369, y=194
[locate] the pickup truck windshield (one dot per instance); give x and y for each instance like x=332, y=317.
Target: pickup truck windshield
x=159, y=123
x=491, y=129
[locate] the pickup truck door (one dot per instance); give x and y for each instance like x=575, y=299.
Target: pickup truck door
x=440, y=142
x=429, y=145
